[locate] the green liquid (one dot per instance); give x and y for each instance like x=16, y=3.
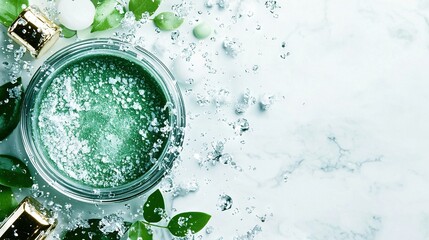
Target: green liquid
x=103, y=120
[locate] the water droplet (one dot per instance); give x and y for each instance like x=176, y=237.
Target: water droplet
x=175, y=35
x=225, y=202
x=209, y=230
x=266, y=101
x=232, y=46
x=241, y=126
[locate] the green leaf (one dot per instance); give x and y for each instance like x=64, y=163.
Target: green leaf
x=14, y=173
x=138, y=231
x=67, y=33
x=7, y=202
x=11, y=96
x=106, y=15
x=92, y=232
x=182, y=223
x=10, y=9
x=138, y=7
x=152, y=207
x=167, y=21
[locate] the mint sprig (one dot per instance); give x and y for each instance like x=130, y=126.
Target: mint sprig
x=179, y=225
x=10, y=9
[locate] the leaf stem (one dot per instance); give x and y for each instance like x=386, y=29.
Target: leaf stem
x=151, y=224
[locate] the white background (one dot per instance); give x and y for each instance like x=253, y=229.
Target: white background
x=341, y=154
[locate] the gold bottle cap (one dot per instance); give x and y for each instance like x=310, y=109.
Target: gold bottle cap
x=29, y=221
x=34, y=31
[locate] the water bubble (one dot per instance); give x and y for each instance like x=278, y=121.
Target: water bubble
x=145, y=18
x=182, y=9
x=67, y=206
x=241, y=126
x=181, y=190
x=210, y=3
x=22, y=22
x=120, y=8
x=209, y=230
x=266, y=101
x=9, y=47
x=244, y=102
x=226, y=158
x=263, y=218
x=221, y=97
x=129, y=20
x=27, y=66
x=223, y=3
x=225, y=202
x=112, y=223
x=202, y=100
x=249, y=210
x=250, y=235
x=232, y=46
x=175, y=35
x=272, y=5
x=181, y=221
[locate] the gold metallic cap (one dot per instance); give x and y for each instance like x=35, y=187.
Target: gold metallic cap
x=29, y=221
x=34, y=31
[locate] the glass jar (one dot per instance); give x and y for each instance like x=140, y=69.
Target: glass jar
x=36, y=91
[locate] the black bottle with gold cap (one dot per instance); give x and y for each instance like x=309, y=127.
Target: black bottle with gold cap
x=29, y=221
x=33, y=30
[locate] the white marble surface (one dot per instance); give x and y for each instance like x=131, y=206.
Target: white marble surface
x=342, y=152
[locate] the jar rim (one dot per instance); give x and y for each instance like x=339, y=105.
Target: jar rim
x=170, y=90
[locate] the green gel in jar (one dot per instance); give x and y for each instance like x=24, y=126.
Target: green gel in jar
x=103, y=121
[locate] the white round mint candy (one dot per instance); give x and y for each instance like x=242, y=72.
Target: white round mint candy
x=202, y=30
x=76, y=14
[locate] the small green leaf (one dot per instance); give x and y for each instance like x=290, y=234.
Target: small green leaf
x=11, y=96
x=14, y=173
x=152, y=207
x=92, y=232
x=7, y=202
x=167, y=21
x=106, y=15
x=138, y=231
x=182, y=223
x=10, y=9
x=138, y=7
x=67, y=33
